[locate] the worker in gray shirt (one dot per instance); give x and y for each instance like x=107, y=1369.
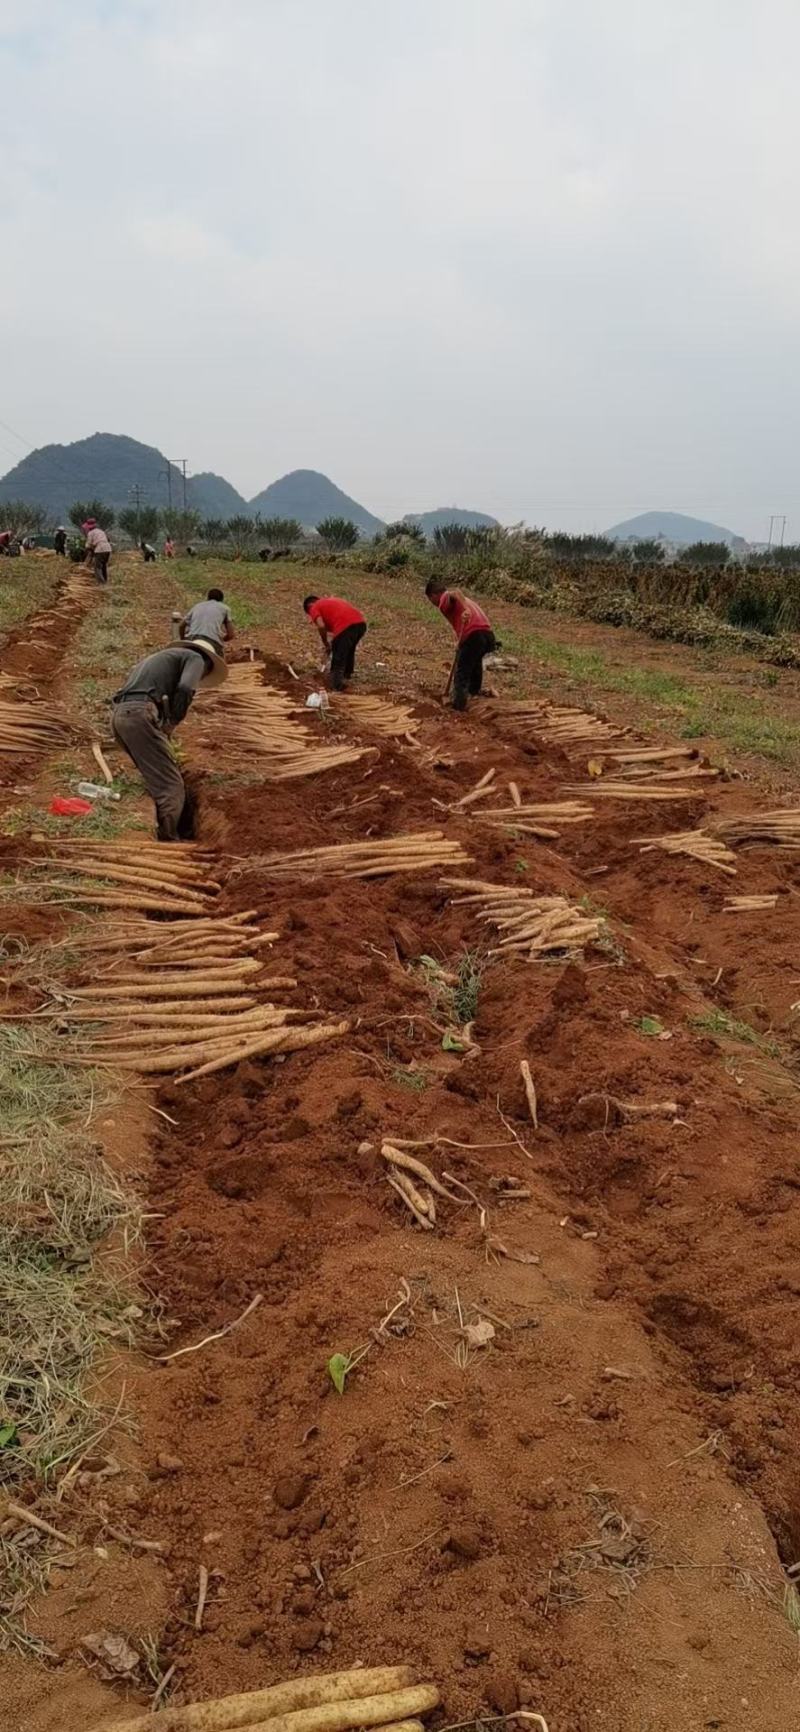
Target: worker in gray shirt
x=154, y=701
x=210, y=618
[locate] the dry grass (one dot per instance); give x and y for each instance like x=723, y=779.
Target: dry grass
x=621, y=1550
x=61, y=1304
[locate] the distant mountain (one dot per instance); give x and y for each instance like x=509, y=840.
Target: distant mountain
x=446, y=514
x=674, y=527
x=213, y=496
x=106, y=466
x=309, y=496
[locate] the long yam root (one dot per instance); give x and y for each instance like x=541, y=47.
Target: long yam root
x=302, y=1695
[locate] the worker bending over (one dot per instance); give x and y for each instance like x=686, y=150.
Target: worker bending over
x=98, y=548
x=341, y=627
x=475, y=639
x=150, y=705
x=210, y=618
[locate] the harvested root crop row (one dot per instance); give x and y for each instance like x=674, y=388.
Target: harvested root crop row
x=260, y=720
x=543, y=820
x=651, y=754
x=781, y=827
x=640, y=773
x=530, y=925
x=390, y=720
x=30, y=727
x=187, y=995
x=128, y=875
x=412, y=853
x=205, y=1052
x=696, y=843
x=313, y=760
x=561, y=726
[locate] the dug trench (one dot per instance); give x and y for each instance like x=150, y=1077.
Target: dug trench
x=551, y=1476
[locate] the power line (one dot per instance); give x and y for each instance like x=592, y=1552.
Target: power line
x=180, y=463
x=16, y=435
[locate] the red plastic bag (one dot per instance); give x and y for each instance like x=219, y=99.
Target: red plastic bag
x=71, y=808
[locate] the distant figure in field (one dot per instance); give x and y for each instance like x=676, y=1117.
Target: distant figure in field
x=98, y=548
x=210, y=619
x=341, y=628
x=60, y=540
x=148, y=552
x=169, y=548
x=475, y=639
x=5, y=540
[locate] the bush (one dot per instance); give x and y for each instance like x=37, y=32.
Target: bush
x=402, y=531
x=706, y=553
x=96, y=508
x=277, y=531
x=338, y=533
x=21, y=518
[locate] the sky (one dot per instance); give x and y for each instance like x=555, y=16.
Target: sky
x=536, y=257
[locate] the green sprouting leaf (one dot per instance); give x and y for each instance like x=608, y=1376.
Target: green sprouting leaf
x=650, y=1025
x=338, y=1367
x=451, y=1042
x=8, y=1434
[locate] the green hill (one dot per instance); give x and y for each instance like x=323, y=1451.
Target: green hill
x=106, y=466
x=309, y=496
x=673, y=526
x=213, y=496
x=447, y=514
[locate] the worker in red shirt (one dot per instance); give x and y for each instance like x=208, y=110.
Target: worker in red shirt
x=341, y=627
x=475, y=639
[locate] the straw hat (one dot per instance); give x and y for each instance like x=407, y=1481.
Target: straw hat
x=217, y=667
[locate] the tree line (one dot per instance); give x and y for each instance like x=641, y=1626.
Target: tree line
x=398, y=542
x=147, y=523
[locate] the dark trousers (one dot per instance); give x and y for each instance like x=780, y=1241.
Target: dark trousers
x=343, y=654
x=136, y=726
x=468, y=676
x=100, y=564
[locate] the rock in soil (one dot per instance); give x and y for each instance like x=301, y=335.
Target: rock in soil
x=465, y=1542
x=308, y=1634
x=502, y=1693
x=290, y=1490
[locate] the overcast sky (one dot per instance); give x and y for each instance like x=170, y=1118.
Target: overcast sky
x=539, y=257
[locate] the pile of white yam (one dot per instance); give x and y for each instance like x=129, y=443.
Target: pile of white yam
x=385, y=1697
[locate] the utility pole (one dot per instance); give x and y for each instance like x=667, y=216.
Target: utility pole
x=168, y=473
x=777, y=517
x=135, y=493
x=180, y=463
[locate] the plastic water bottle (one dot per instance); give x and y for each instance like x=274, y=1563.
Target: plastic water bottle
x=93, y=791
